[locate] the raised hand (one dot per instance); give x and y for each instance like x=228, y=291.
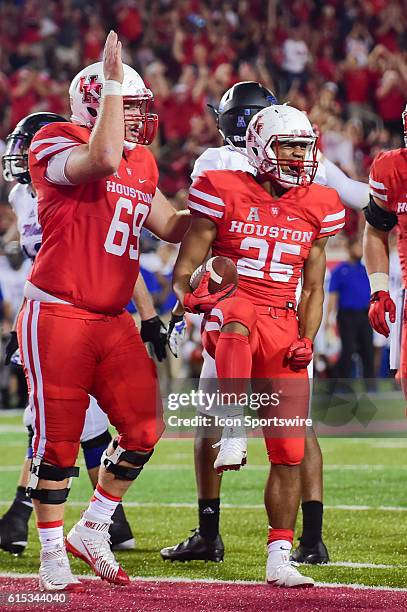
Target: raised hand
x=112, y=58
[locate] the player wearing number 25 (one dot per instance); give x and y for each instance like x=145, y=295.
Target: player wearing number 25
x=97, y=187
x=274, y=226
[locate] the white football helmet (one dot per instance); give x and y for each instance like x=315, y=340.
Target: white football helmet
x=267, y=131
x=85, y=93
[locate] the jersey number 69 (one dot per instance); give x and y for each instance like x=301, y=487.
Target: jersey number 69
x=118, y=237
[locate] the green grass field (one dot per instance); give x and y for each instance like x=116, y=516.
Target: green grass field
x=367, y=473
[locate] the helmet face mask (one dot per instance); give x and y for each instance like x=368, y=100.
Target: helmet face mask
x=85, y=95
x=282, y=145
x=15, y=158
x=139, y=124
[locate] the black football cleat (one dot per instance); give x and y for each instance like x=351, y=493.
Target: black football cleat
x=121, y=535
x=195, y=548
x=13, y=533
x=314, y=555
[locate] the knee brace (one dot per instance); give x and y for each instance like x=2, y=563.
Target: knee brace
x=49, y=472
x=30, y=442
x=93, y=449
x=121, y=472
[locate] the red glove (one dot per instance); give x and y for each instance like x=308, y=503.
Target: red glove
x=380, y=303
x=203, y=301
x=300, y=354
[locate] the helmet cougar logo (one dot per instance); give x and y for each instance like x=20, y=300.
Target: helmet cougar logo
x=258, y=125
x=90, y=89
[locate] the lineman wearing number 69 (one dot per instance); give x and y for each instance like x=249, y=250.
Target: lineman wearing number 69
x=97, y=186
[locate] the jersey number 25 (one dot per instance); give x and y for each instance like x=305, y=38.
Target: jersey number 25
x=280, y=272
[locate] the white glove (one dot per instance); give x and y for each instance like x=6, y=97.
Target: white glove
x=176, y=333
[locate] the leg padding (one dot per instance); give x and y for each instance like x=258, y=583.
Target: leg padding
x=121, y=472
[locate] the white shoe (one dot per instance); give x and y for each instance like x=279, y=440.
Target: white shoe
x=233, y=449
x=89, y=540
x=55, y=572
x=281, y=572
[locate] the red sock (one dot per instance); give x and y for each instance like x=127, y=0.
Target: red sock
x=102, y=505
x=280, y=534
x=233, y=356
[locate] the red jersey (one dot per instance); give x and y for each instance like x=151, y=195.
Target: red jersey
x=90, y=247
x=388, y=183
x=268, y=239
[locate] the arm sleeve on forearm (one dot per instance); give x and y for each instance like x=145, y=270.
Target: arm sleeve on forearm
x=353, y=193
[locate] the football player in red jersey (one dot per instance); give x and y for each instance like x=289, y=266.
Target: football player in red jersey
x=95, y=436
x=274, y=227
x=386, y=209
x=96, y=186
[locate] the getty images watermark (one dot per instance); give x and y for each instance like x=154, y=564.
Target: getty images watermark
x=226, y=409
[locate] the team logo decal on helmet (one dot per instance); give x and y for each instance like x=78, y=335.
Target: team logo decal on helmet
x=273, y=129
x=90, y=88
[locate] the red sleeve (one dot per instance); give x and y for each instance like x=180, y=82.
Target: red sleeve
x=48, y=141
x=54, y=138
x=333, y=215
x=204, y=200
x=380, y=179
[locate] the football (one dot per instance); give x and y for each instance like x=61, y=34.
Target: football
x=222, y=272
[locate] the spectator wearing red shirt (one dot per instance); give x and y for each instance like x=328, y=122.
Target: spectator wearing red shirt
x=223, y=52
x=390, y=100
x=129, y=23
x=326, y=65
x=179, y=109
x=93, y=40
x=392, y=26
x=24, y=88
x=356, y=80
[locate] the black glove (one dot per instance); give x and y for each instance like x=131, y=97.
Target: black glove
x=11, y=347
x=154, y=333
x=176, y=333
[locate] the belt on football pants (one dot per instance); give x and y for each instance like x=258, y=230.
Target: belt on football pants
x=275, y=312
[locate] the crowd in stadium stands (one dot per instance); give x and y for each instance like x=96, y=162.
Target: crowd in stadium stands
x=343, y=62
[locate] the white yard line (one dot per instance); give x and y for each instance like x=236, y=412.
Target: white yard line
x=129, y=504
x=354, y=564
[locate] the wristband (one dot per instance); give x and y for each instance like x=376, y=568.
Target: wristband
x=379, y=281
x=112, y=88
